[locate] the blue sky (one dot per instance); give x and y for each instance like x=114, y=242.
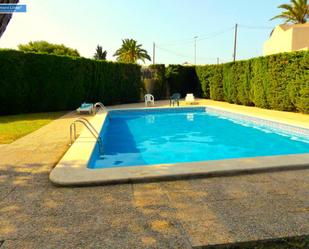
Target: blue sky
x=171, y=24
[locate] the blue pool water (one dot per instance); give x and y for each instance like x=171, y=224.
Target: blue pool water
x=186, y=135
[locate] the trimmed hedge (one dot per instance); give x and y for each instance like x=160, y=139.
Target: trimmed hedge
x=163, y=81
x=279, y=82
x=210, y=78
x=183, y=80
x=160, y=89
x=154, y=81
x=33, y=82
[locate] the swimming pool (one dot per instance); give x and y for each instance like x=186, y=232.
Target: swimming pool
x=181, y=135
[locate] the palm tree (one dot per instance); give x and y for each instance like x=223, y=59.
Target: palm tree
x=131, y=52
x=296, y=12
x=99, y=53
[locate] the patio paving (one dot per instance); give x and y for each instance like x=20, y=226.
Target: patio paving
x=173, y=214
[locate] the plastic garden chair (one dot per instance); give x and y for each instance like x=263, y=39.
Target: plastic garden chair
x=149, y=99
x=175, y=99
x=190, y=98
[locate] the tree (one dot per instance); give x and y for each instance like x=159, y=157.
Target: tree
x=131, y=52
x=48, y=48
x=296, y=12
x=100, y=54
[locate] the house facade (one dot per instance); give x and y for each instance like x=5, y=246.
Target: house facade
x=287, y=38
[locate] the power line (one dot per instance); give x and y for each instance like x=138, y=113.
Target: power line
x=173, y=52
x=208, y=36
x=213, y=35
x=254, y=27
x=202, y=37
x=179, y=42
x=183, y=55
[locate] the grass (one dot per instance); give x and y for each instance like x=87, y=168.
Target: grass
x=16, y=126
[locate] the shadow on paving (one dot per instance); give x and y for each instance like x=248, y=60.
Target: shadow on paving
x=171, y=214
x=36, y=214
x=175, y=214
x=299, y=242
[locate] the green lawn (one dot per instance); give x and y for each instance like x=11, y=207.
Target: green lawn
x=15, y=126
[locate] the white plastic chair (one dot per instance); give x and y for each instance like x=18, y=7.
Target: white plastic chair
x=190, y=98
x=149, y=99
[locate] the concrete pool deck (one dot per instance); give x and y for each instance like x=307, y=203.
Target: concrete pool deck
x=73, y=167
x=173, y=214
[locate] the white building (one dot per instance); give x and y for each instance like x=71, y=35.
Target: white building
x=288, y=38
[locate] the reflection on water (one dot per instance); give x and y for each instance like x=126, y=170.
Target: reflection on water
x=190, y=117
x=150, y=119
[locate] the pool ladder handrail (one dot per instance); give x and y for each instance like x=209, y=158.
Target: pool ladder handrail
x=100, y=105
x=90, y=128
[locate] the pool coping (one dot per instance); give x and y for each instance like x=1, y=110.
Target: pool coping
x=72, y=169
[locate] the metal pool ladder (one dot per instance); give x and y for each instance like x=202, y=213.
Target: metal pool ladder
x=90, y=128
x=101, y=106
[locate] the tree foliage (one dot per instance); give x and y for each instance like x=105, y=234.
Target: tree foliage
x=131, y=52
x=295, y=12
x=100, y=54
x=48, y=48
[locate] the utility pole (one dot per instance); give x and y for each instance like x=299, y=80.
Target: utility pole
x=154, y=54
x=195, y=37
x=235, y=42
x=217, y=60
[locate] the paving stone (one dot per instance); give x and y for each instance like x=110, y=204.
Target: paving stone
x=222, y=189
x=207, y=232
x=5, y=190
x=132, y=232
x=286, y=225
x=245, y=229
x=15, y=227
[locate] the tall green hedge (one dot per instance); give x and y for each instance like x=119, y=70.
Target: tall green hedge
x=279, y=82
x=32, y=82
x=204, y=74
x=154, y=81
x=38, y=82
x=211, y=81
x=183, y=80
